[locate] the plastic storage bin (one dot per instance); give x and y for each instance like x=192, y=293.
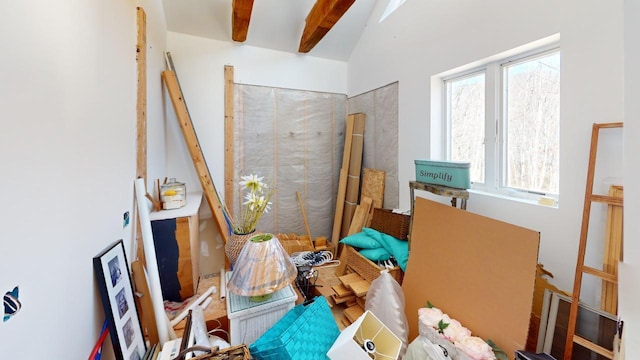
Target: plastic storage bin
x=306, y=332
x=248, y=320
x=448, y=173
x=173, y=195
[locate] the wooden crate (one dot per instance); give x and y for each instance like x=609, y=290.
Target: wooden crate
x=366, y=268
x=295, y=245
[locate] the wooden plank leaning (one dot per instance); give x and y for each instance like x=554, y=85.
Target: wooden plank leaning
x=171, y=82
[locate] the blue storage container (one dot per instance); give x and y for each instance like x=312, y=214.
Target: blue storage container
x=454, y=174
x=306, y=332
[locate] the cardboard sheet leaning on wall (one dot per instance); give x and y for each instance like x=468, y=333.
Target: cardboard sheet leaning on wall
x=478, y=270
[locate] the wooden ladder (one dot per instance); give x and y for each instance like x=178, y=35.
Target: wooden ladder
x=581, y=268
x=184, y=119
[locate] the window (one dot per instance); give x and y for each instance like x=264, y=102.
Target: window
x=392, y=6
x=466, y=119
x=504, y=118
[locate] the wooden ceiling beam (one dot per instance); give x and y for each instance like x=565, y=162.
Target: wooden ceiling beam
x=240, y=17
x=323, y=16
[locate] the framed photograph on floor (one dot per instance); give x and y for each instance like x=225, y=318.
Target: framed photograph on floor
x=116, y=290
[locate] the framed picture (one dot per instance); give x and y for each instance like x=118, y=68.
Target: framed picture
x=116, y=290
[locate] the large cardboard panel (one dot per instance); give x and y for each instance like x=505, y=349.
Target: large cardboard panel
x=480, y=271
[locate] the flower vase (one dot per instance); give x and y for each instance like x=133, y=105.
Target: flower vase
x=234, y=245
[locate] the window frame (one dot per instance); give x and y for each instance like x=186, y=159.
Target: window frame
x=495, y=121
x=446, y=140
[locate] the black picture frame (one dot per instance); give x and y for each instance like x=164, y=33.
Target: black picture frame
x=116, y=290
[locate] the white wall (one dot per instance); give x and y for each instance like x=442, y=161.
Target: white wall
x=425, y=38
x=68, y=158
x=630, y=293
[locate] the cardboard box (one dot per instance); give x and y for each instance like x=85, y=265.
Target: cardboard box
x=296, y=245
x=367, y=335
x=448, y=173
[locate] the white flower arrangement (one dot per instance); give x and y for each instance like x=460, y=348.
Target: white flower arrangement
x=440, y=329
x=257, y=202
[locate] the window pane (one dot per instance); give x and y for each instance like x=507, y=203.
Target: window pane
x=532, y=113
x=465, y=104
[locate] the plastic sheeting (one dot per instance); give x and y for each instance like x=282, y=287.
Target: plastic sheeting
x=295, y=139
x=381, y=136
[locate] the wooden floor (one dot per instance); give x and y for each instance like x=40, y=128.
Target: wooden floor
x=215, y=313
x=328, y=277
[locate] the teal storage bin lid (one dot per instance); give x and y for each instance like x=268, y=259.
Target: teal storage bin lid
x=450, y=164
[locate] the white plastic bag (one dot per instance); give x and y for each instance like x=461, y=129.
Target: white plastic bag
x=434, y=351
x=385, y=300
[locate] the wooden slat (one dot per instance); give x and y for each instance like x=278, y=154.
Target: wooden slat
x=355, y=170
x=342, y=185
x=609, y=125
x=360, y=216
x=141, y=119
x=601, y=274
x=610, y=200
x=229, y=149
x=185, y=266
x=341, y=291
x=582, y=247
x=346, y=280
x=141, y=106
x=337, y=220
x=369, y=219
x=323, y=16
x=352, y=313
x=360, y=288
x=593, y=347
x=344, y=321
x=343, y=299
x=209, y=189
x=148, y=317
x=304, y=218
x=612, y=252
x=351, y=302
x=240, y=18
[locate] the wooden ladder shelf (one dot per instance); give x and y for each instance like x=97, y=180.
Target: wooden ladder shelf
x=581, y=268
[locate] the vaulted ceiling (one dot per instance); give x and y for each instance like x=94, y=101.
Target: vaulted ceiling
x=322, y=28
